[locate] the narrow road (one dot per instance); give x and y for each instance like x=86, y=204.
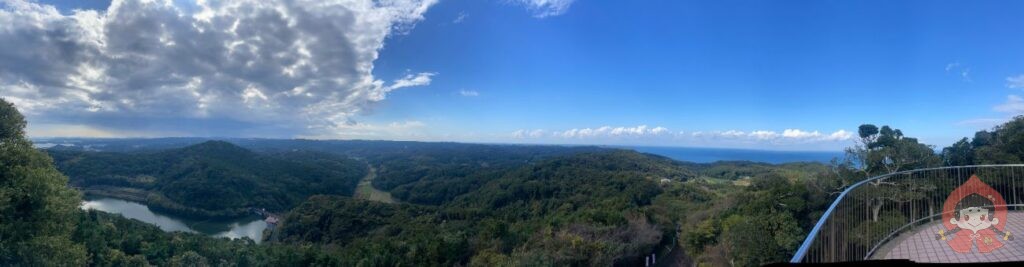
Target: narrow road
x=365, y=190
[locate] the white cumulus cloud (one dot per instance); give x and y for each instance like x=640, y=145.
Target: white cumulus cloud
x=664, y=136
x=301, y=64
x=763, y=135
x=786, y=136
x=536, y=133
x=608, y=131
x=798, y=134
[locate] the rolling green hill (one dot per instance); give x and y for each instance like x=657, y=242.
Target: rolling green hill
x=582, y=209
x=464, y=204
x=211, y=179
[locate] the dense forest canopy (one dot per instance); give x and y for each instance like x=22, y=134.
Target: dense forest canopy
x=595, y=208
x=520, y=205
x=211, y=179
x=34, y=201
x=461, y=204
x=1002, y=145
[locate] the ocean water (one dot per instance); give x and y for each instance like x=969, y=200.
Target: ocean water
x=707, y=155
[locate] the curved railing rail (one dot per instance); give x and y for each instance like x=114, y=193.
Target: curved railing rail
x=871, y=212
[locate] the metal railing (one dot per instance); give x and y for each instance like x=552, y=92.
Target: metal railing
x=870, y=213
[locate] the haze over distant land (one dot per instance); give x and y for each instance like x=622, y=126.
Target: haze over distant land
x=690, y=154
x=769, y=76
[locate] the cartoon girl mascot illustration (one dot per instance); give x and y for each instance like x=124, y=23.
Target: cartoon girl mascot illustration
x=974, y=215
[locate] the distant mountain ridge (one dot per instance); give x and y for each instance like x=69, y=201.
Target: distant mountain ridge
x=691, y=154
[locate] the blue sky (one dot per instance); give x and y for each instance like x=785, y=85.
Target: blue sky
x=785, y=75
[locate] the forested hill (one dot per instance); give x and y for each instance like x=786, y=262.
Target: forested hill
x=357, y=148
x=482, y=205
x=221, y=179
x=430, y=180
x=609, y=207
x=211, y=179
x=463, y=204
x=581, y=209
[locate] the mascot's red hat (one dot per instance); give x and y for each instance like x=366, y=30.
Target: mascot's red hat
x=974, y=186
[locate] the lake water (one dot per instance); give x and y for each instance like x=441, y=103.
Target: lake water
x=251, y=227
x=707, y=155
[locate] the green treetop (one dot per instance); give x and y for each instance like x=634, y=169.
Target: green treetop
x=35, y=202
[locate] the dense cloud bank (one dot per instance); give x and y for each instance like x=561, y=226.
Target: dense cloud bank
x=304, y=66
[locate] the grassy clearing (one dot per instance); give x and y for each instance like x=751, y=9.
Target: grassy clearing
x=365, y=190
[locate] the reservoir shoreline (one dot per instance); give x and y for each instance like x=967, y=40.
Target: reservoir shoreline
x=251, y=227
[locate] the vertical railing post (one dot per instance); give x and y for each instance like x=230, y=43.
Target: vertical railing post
x=923, y=193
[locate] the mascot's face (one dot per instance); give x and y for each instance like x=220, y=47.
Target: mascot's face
x=974, y=219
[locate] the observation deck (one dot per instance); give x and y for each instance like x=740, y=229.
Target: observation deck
x=918, y=214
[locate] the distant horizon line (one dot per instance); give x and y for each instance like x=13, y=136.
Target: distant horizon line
x=458, y=142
